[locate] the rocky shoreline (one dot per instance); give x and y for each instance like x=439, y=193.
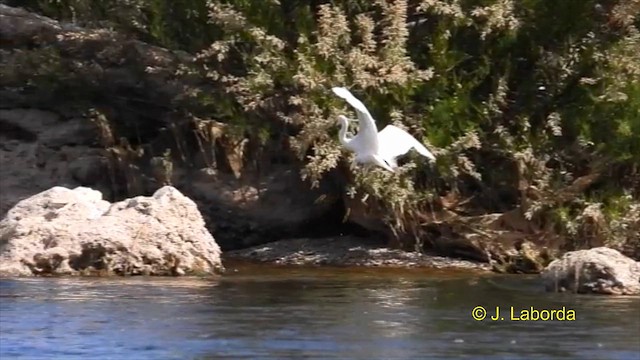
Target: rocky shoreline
x=64, y=231
x=74, y=232
x=347, y=251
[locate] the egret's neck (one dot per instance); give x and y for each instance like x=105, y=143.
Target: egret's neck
x=342, y=135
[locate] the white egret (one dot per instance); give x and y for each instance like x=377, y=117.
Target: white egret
x=371, y=147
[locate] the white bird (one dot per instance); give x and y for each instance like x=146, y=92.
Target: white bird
x=372, y=147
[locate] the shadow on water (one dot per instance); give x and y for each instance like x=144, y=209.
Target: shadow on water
x=270, y=312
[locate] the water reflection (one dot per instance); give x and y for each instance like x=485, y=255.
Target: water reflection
x=277, y=313
x=389, y=311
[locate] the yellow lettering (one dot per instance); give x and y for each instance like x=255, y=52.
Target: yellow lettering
x=533, y=314
x=545, y=315
x=497, y=316
x=513, y=317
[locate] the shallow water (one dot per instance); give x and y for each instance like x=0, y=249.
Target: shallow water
x=283, y=313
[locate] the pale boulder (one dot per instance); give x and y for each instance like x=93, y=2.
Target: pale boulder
x=599, y=270
x=71, y=232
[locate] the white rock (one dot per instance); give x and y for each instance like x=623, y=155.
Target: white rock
x=599, y=270
x=63, y=231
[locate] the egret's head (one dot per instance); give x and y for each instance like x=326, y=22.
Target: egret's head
x=343, y=120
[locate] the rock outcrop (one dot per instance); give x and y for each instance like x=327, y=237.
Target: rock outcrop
x=599, y=270
x=39, y=150
x=112, y=107
x=75, y=232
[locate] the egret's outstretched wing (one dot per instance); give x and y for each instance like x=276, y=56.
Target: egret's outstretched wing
x=395, y=142
x=368, y=131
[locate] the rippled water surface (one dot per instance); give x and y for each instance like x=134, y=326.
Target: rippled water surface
x=282, y=313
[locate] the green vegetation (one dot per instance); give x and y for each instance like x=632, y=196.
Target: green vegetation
x=531, y=106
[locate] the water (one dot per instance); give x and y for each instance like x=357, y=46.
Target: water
x=283, y=313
